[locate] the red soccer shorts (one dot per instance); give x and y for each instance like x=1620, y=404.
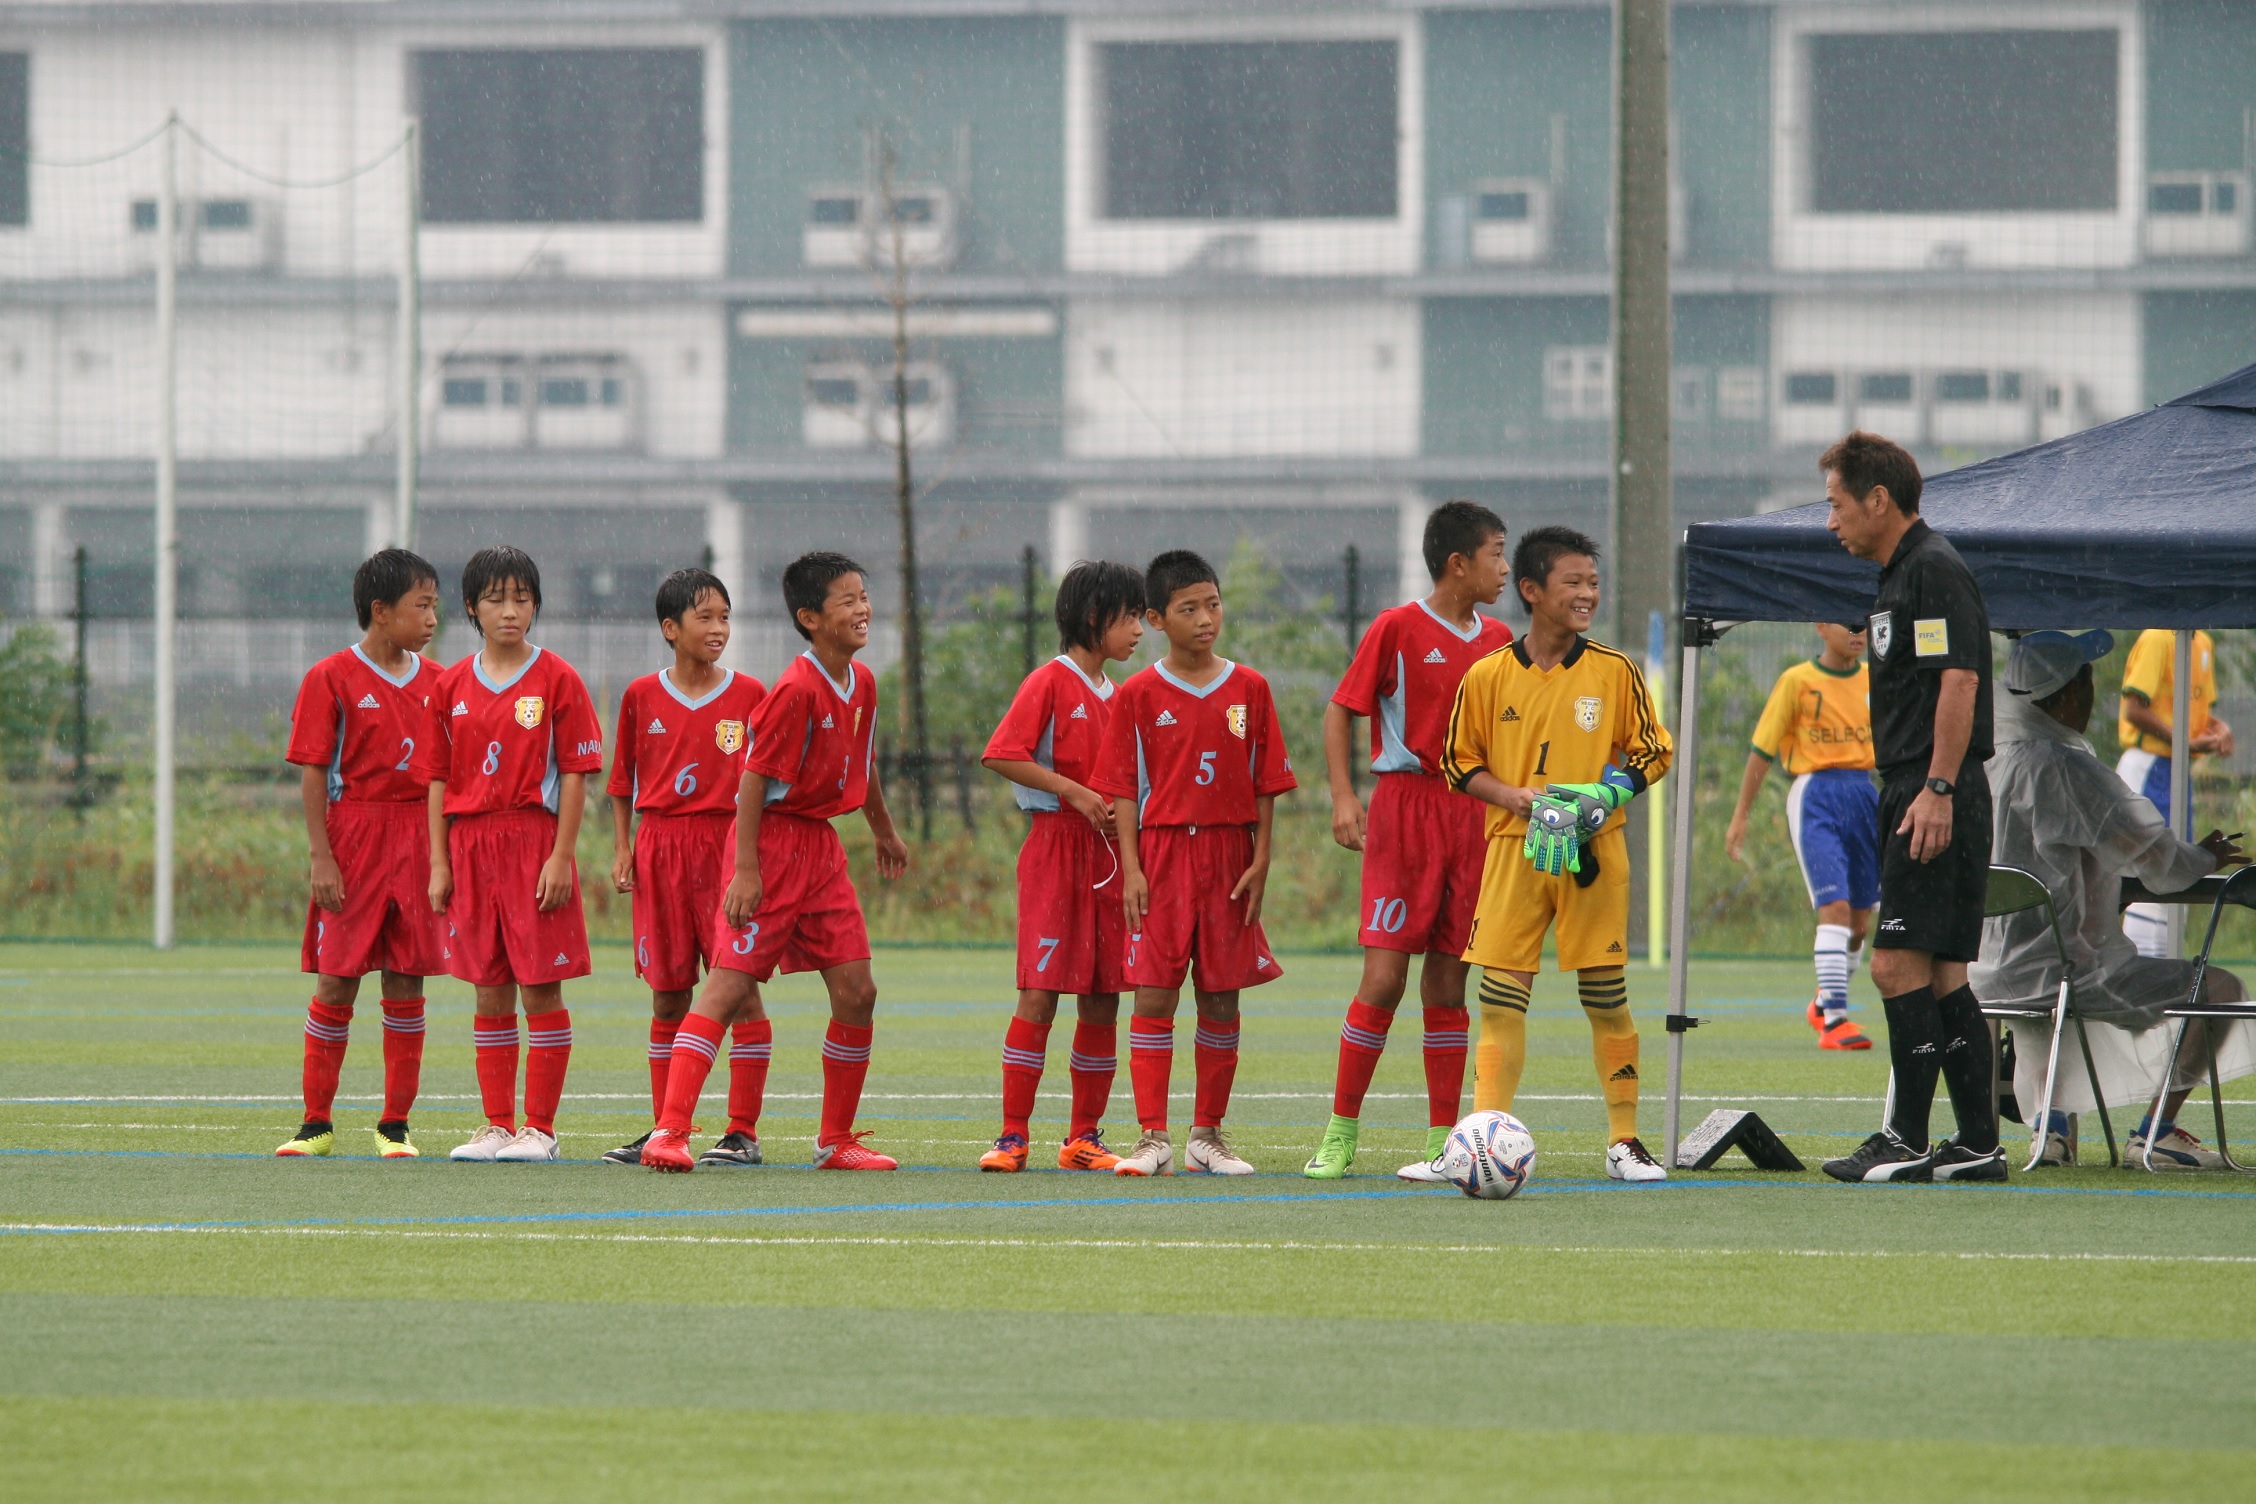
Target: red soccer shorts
x=682, y=865
x=496, y=933
x=1072, y=933
x=1423, y=847
x=810, y=917
x=1193, y=925
x=384, y=852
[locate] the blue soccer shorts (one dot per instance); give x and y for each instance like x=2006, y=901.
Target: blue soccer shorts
x=1834, y=815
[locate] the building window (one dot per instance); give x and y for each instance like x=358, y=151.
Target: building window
x=15, y=138
x=1250, y=130
x=1578, y=382
x=582, y=136
x=1963, y=122
x=1812, y=388
x=1890, y=388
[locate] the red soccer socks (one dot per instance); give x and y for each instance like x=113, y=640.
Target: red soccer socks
x=1094, y=1062
x=695, y=1045
x=549, y=1036
x=1363, y=1039
x=403, y=1056
x=1449, y=1033
x=1151, y=1056
x=1216, y=1054
x=846, y=1057
x=752, y=1043
x=496, y=1039
x=1025, y=1050
x=326, y=1030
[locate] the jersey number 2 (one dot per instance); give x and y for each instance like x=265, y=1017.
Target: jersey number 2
x=407, y=754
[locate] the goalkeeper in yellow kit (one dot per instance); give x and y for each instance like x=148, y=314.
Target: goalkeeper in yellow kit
x=1556, y=734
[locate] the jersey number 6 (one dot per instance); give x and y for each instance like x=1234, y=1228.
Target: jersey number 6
x=685, y=782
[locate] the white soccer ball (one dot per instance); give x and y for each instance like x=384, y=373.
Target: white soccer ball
x=1490, y=1155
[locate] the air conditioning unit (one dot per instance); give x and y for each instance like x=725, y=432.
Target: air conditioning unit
x=482, y=403
x=1987, y=409
x=1511, y=221
x=919, y=221
x=2197, y=214
x=1813, y=407
x=1887, y=403
x=585, y=402
x=2064, y=406
x=834, y=234
x=835, y=410
x=215, y=234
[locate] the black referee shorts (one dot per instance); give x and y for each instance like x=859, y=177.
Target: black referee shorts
x=1935, y=905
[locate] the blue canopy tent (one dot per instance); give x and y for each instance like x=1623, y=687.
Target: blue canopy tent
x=2149, y=521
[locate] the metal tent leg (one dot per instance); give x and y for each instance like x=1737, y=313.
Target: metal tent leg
x=1686, y=772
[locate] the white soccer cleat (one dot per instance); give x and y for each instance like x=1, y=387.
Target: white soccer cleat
x=1153, y=1155
x=486, y=1146
x=1424, y=1172
x=1209, y=1153
x=1628, y=1160
x=529, y=1147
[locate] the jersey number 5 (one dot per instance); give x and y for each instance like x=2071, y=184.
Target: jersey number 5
x=1205, y=773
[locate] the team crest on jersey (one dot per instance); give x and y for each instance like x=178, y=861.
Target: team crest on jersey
x=529, y=709
x=1882, y=630
x=728, y=735
x=1236, y=716
x=1586, y=712
x=368, y=702
x=1435, y=656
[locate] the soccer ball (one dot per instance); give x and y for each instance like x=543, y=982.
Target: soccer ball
x=1489, y=1156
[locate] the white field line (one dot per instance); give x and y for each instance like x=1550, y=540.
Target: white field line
x=1199, y=1245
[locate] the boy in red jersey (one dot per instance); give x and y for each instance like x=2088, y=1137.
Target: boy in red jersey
x=1072, y=932
x=513, y=738
x=680, y=755
x=1423, y=842
x=790, y=902
x=353, y=735
x=1194, y=760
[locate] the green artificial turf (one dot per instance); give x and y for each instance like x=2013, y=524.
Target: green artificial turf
x=183, y=1316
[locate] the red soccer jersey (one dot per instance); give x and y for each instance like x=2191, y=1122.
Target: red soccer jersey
x=1056, y=719
x=363, y=725
x=1194, y=756
x=811, y=739
x=1405, y=677
x=503, y=746
x=678, y=756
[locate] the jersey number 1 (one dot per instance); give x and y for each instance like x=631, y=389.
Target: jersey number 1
x=1542, y=756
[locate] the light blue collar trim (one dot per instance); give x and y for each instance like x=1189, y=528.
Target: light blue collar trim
x=478, y=667
x=1470, y=635
x=1194, y=691
x=414, y=667
x=666, y=681
x=845, y=691
x=1100, y=686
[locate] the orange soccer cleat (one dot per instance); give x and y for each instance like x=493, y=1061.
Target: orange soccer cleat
x=1086, y=1153
x=848, y=1154
x=1008, y=1156
x=1837, y=1035
x=669, y=1152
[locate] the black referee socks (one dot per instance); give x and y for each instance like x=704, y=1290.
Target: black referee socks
x=1915, y=1050
x=1967, y=1069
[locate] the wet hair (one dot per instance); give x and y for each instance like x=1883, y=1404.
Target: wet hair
x=679, y=592
x=1546, y=546
x=1175, y=570
x=384, y=576
x=1092, y=596
x=1864, y=460
x=498, y=565
x=807, y=581
x=1458, y=527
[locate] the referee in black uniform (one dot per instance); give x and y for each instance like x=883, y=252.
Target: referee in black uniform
x=1930, y=642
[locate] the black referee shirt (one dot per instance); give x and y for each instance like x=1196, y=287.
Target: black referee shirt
x=1927, y=617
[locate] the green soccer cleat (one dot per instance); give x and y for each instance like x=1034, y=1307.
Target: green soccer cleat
x=392, y=1141
x=1336, y=1152
x=312, y=1140
x=1437, y=1139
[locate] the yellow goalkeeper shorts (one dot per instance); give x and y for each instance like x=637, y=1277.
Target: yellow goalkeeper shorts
x=1517, y=904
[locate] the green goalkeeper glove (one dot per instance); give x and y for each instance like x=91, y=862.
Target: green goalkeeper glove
x=1554, y=836
x=1596, y=802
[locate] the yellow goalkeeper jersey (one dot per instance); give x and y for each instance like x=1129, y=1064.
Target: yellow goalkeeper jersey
x=1529, y=726
x=1817, y=719
x=2151, y=672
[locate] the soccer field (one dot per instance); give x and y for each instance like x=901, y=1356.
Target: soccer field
x=187, y=1317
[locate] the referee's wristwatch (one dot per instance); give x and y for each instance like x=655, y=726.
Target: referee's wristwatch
x=1942, y=786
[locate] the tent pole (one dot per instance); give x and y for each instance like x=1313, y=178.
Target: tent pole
x=2181, y=763
x=1686, y=770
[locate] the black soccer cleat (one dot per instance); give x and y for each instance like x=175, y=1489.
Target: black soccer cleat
x=1882, y=1158
x=732, y=1149
x=1953, y=1161
x=627, y=1154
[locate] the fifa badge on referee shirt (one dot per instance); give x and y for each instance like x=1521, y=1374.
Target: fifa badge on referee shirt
x=529, y=711
x=1236, y=716
x=729, y=735
x=1586, y=712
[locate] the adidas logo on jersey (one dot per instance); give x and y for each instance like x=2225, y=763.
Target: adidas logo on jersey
x=1080, y=713
x=1435, y=656
x=460, y=708
x=561, y=960
x=368, y=702
x=1509, y=714
x=657, y=727
x=1164, y=718
x=828, y=724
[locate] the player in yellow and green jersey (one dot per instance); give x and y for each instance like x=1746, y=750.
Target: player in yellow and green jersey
x=1818, y=729
x=2143, y=728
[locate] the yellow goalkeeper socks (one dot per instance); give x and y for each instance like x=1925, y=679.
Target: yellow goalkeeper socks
x=1613, y=1045
x=1502, y=1052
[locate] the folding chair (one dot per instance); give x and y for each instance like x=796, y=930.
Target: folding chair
x=2192, y=1008
x=2013, y=891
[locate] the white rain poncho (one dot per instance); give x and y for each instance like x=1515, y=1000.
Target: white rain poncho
x=2063, y=815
